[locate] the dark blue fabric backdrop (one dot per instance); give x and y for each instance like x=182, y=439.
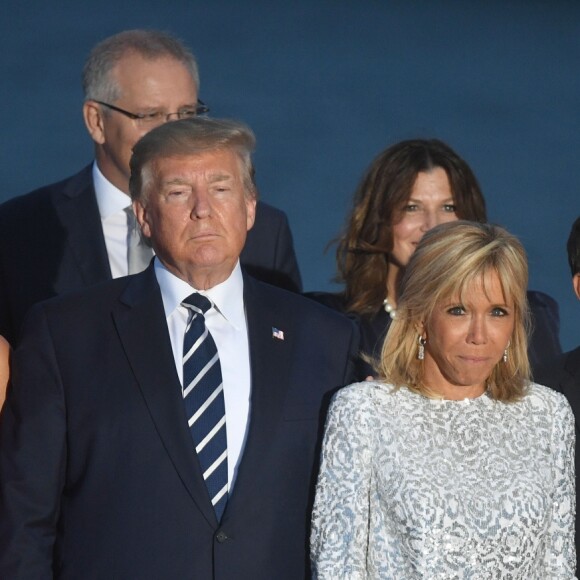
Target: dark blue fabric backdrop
x=326, y=84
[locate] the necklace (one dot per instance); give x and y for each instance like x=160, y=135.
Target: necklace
x=389, y=308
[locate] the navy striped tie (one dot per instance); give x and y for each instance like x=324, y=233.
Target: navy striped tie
x=204, y=401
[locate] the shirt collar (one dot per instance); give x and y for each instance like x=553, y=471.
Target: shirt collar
x=227, y=297
x=110, y=199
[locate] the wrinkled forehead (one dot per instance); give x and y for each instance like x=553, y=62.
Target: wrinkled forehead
x=209, y=165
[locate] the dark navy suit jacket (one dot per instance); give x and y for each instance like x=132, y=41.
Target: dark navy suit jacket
x=51, y=242
x=563, y=374
x=98, y=473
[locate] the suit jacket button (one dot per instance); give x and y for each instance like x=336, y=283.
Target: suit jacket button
x=221, y=537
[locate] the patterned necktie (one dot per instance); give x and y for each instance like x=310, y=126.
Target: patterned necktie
x=204, y=401
x=139, y=253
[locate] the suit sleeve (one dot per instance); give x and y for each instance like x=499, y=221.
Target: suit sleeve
x=560, y=556
x=340, y=519
x=544, y=343
x=32, y=456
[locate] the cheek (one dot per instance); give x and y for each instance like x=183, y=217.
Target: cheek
x=129, y=142
x=442, y=337
x=502, y=335
x=403, y=230
x=448, y=217
x=127, y=137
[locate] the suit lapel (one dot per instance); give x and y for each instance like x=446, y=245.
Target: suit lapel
x=143, y=332
x=270, y=359
x=573, y=363
x=78, y=212
x=571, y=381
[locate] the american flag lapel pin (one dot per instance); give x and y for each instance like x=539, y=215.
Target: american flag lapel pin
x=277, y=333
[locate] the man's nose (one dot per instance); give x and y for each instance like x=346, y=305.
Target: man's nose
x=201, y=205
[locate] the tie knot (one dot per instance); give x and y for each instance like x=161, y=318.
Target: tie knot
x=197, y=302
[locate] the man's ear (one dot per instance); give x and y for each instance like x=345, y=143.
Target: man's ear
x=93, y=116
x=250, y=211
x=576, y=284
x=142, y=218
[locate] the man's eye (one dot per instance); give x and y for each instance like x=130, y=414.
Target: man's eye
x=152, y=117
x=221, y=188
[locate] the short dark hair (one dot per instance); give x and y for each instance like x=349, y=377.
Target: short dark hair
x=191, y=137
x=573, y=247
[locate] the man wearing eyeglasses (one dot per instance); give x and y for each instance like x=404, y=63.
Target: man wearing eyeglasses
x=82, y=231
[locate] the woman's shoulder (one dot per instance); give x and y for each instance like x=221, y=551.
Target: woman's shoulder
x=365, y=393
x=547, y=400
x=542, y=393
x=362, y=407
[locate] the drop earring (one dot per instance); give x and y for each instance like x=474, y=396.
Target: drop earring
x=505, y=352
x=421, y=351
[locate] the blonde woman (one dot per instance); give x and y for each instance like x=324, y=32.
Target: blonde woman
x=454, y=465
x=409, y=188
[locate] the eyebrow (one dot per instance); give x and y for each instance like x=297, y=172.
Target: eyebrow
x=415, y=199
x=220, y=177
x=213, y=178
x=174, y=181
x=161, y=108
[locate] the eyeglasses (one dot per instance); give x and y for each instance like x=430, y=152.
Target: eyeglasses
x=157, y=118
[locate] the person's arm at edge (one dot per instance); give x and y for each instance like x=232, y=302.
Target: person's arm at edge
x=4, y=368
x=32, y=455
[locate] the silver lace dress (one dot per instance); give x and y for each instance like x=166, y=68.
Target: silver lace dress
x=412, y=487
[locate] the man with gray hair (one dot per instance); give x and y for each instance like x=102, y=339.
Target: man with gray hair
x=81, y=231
x=167, y=424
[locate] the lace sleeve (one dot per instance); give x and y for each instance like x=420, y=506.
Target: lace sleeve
x=560, y=557
x=341, y=509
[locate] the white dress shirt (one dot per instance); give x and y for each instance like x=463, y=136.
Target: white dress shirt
x=112, y=203
x=226, y=322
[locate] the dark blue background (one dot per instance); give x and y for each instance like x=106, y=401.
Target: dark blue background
x=327, y=84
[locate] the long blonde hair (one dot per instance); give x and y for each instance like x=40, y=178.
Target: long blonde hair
x=449, y=258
